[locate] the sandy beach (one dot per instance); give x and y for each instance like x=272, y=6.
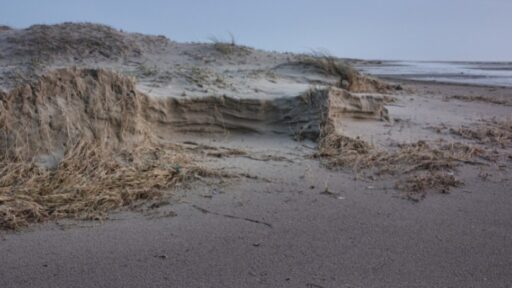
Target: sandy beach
x=306, y=179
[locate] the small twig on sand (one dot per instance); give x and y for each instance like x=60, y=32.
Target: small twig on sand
x=205, y=211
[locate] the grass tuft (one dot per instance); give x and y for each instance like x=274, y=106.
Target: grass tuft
x=348, y=77
x=230, y=47
x=426, y=167
x=329, y=65
x=493, y=132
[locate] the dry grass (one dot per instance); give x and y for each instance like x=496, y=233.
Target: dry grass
x=342, y=151
x=493, y=132
x=427, y=167
x=110, y=158
x=74, y=40
x=415, y=186
x=479, y=98
x=331, y=66
x=87, y=183
x=229, y=47
x=348, y=77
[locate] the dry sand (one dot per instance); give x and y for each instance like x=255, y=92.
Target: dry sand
x=286, y=213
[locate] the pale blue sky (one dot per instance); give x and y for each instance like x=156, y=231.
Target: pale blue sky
x=371, y=29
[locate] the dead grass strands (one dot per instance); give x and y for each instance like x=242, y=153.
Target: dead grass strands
x=73, y=39
x=426, y=167
x=330, y=66
x=88, y=183
x=229, y=47
x=109, y=159
x=479, y=98
x=348, y=77
x=493, y=132
x=415, y=186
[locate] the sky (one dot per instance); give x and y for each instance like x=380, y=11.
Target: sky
x=458, y=30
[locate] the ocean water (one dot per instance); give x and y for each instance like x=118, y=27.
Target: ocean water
x=480, y=73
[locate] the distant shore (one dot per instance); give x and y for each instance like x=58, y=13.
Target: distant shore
x=475, y=73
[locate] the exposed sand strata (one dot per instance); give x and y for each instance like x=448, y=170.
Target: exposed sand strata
x=69, y=105
x=81, y=142
x=302, y=116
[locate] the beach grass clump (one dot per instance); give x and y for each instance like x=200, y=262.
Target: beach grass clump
x=76, y=144
x=88, y=183
x=479, y=98
x=347, y=76
x=343, y=151
x=415, y=186
x=229, y=47
x=73, y=40
x=425, y=166
x=330, y=65
x=492, y=132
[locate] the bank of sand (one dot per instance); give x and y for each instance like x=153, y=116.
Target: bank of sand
x=279, y=212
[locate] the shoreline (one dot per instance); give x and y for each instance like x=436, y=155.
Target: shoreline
x=399, y=79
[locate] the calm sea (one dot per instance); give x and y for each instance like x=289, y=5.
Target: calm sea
x=494, y=74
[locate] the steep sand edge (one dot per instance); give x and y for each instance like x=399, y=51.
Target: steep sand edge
x=81, y=142
x=70, y=105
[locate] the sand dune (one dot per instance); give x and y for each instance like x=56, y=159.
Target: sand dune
x=50, y=124
x=75, y=91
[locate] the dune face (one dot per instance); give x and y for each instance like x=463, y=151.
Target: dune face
x=178, y=87
x=68, y=106
x=71, y=126
x=71, y=105
x=75, y=143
